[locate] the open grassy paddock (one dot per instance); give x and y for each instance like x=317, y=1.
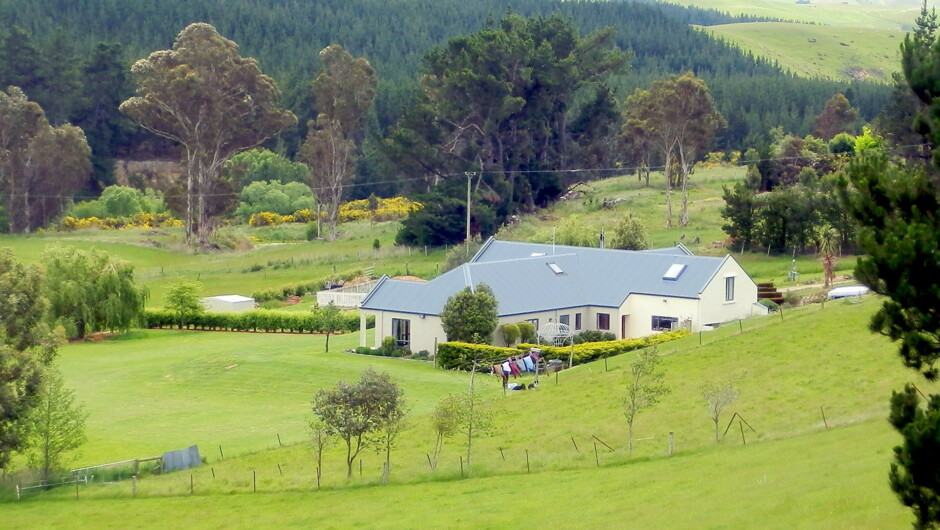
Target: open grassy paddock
x=155, y=391
x=835, y=39
x=244, y=399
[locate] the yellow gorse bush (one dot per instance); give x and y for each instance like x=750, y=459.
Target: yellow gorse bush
x=140, y=220
x=393, y=209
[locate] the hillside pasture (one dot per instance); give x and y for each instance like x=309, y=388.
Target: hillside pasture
x=833, y=52
x=799, y=468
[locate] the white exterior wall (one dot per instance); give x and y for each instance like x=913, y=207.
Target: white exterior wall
x=715, y=309
x=423, y=330
x=640, y=310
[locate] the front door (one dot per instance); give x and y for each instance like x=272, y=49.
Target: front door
x=623, y=326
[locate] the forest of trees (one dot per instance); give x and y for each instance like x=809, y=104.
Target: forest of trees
x=73, y=58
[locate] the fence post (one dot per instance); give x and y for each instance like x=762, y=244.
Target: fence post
x=461, y=467
x=254, y=481
x=672, y=443
x=191, y=488
x=527, y=468
x=17, y=492
x=596, y=458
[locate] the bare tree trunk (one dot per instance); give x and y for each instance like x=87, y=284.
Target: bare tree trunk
x=684, y=168
x=667, y=172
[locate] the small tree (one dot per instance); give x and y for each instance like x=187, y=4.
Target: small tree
x=356, y=411
x=828, y=253
x=55, y=428
x=184, y=300
x=510, y=333
x=470, y=312
x=392, y=427
x=717, y=397
x=92, y=290
x=445, y=419
x=644, y=388
x=320, y=439
x=630, y=234
x=331, y=321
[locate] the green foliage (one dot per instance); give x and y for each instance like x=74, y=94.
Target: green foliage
x=92, y=289
x=24, y=303
x=913, y=474
x=261, y=165
x=718, y=396
x=594, y=335
x=331, y=321
x=55, y=427
x=510, y=333
x=470, y=315
x=440, y=222
x=184, y=299
x=266, y=320
x=461, y=355
x=356, y=411
x=574, y=231
x=630, y=234
x=526, y=331
x=842, y=143
x=273, y=196
x=645, y=387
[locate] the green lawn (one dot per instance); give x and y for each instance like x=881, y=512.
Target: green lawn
x=156, y=391
x=897, y=15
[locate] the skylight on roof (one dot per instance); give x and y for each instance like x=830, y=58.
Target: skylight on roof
x=674, y=272
x=555, y=268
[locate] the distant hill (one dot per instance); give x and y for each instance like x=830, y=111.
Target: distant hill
x=832, y=39
x=753, y=93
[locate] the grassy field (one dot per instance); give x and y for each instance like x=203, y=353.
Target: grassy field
x=156, y=391
x=833, y=39
x=226, y=272
x=834, y=52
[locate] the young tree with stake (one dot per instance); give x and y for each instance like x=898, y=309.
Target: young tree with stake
x=644, y=388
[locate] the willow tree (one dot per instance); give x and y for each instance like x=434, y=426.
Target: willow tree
x=213, y=102
x=343, y=92
x=678, y=117
x=40, y=165
x=91, y=290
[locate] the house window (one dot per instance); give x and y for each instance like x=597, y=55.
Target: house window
x=577, y=321
x=401, y=330
x=603, y=321
x=729, y=289
x=664, y=323
x=535, y=322
x=565, y=319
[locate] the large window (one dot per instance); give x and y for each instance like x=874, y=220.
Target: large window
x=401, y=330
x=577, y=321
x=565, y=319
x=664, y=323
x=603, y=321
x=729, y=289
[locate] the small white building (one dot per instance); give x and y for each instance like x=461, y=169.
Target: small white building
x=228, y=303
x=627, y=293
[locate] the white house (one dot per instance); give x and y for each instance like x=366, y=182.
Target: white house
x=229, y=303
x=627, y=293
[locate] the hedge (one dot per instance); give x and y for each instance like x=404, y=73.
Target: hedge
x=300, y=289
x=460, y=355
x=257, y=320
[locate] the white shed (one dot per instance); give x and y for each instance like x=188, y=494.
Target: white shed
x=229, y=303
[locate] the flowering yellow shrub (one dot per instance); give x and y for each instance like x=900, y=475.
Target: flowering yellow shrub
x=140, y=220
x=392, y=209
x=269, y=219
x=305, y=216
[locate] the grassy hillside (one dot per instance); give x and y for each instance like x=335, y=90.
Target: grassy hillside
x=152, y=392
x=890, y=15
x=825, y=39
x=834, y=52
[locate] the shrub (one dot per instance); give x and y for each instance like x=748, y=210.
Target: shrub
x=526, y=331
x=593, y=335
x=510, y=333
x=461, y=355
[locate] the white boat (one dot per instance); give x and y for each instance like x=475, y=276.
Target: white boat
x=848, y=291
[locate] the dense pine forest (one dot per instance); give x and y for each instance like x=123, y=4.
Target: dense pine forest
x=73, y=58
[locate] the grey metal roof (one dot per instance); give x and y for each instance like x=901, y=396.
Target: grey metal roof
x=523, y=281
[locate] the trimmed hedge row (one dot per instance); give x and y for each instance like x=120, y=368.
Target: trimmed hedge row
x=300, y=289
x=256, y=320
x=460, y=355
